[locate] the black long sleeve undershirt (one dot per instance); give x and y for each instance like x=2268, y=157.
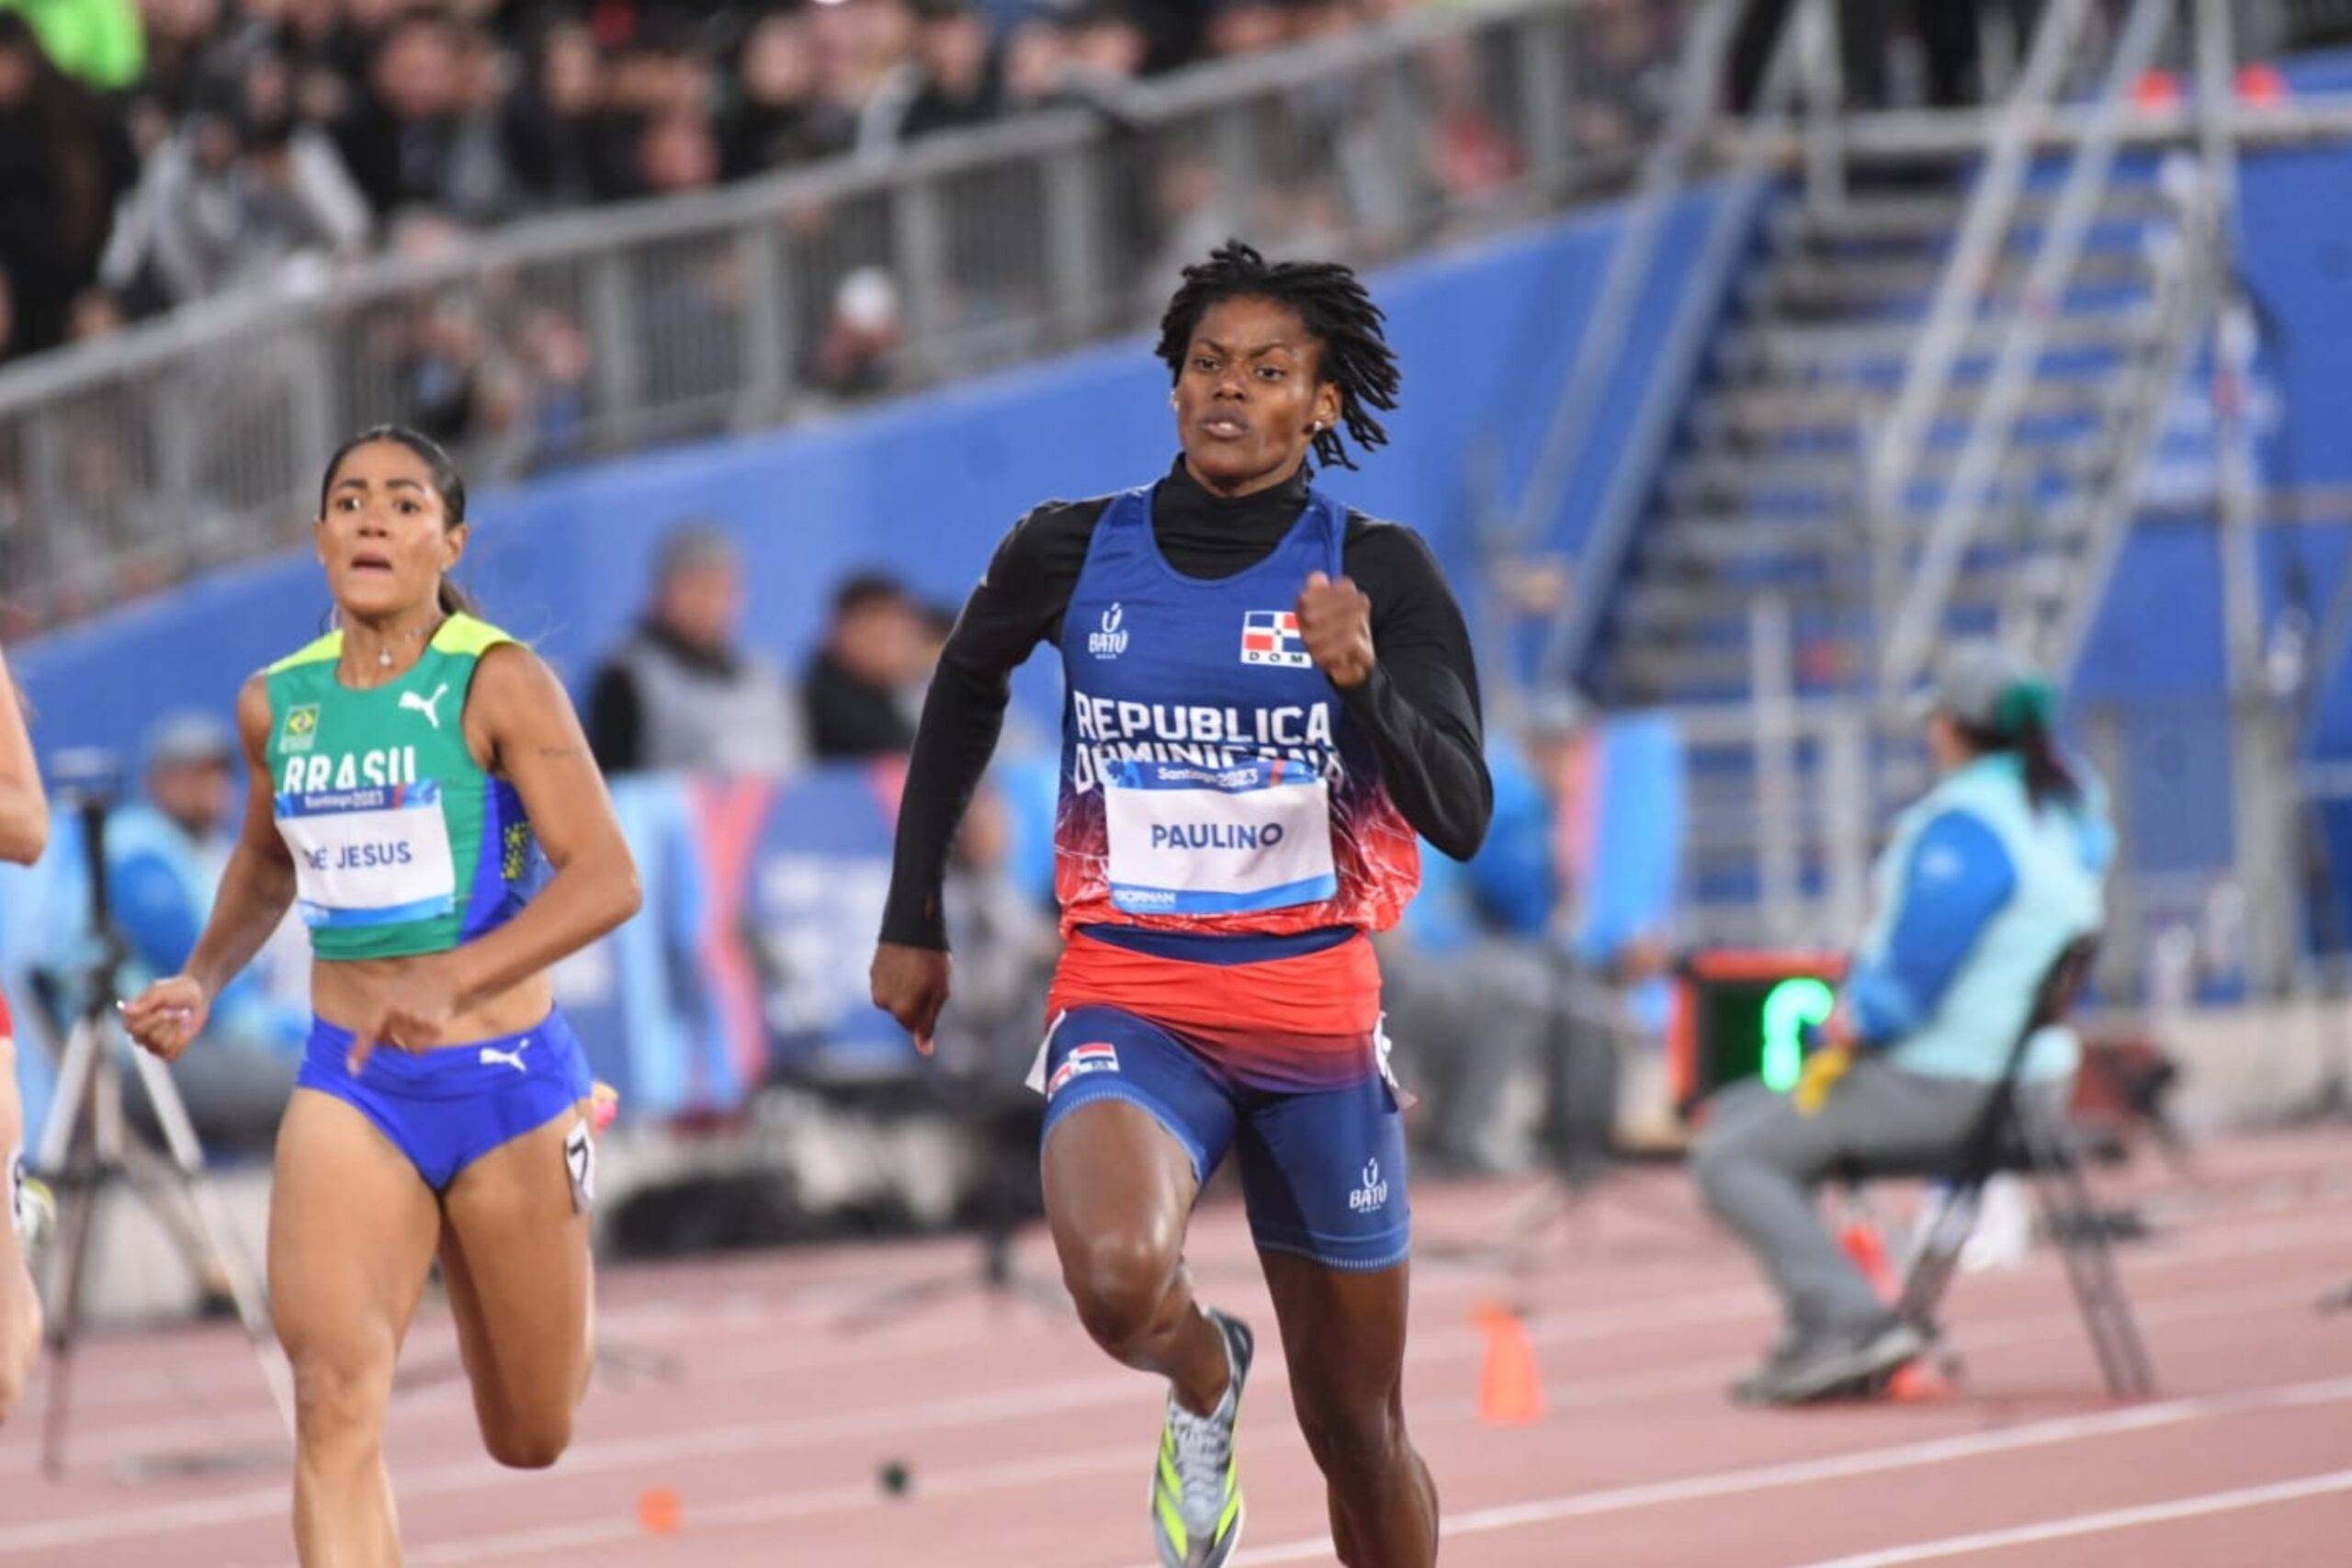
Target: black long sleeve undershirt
x=1420, y=707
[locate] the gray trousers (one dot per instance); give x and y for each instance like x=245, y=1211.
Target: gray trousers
x=1760, y=1161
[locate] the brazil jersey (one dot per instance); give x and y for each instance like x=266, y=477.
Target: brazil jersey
x=402, y=844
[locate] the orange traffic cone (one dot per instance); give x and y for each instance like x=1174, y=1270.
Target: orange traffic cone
x=1918, y=1381
x=1860, y=1240
x=1510, y=1387
x=657, y=1511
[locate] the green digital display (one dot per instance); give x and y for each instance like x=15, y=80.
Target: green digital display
x=1790, y=1009
x=1755, y=1028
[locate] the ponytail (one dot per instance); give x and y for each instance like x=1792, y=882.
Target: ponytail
x=456, y=600
x=2048, y=781
x=2021, y=724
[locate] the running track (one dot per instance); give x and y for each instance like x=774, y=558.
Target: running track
x=733, y=1386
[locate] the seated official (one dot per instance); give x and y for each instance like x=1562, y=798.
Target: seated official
x=1984, y=882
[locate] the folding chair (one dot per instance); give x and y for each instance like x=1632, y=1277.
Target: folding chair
x=2008, y=1137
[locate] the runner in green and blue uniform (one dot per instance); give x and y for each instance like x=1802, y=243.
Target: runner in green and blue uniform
x=414, y=775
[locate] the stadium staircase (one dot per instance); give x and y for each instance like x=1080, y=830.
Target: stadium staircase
x=1767, y=495
x=1926, y=411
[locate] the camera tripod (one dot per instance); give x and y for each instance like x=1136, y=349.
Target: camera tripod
x=88, y=1146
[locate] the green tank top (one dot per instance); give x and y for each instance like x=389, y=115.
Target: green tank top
x=402, y=843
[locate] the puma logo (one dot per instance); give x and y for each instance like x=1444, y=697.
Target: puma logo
x=512, y=1058
x=429, y=706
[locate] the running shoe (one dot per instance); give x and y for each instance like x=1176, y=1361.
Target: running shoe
x=31, y=1209
x=1195, y=1485
x=1806, y=1367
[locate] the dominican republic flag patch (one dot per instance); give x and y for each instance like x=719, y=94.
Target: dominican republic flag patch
x=1270, y=636
x=1082, y=1059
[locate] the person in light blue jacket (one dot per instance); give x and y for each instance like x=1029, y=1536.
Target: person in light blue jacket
x=1984, y=883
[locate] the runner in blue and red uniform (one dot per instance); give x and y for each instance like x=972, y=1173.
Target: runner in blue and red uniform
x=1268, y=696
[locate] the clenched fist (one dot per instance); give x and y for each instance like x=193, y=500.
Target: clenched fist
x=1335, y=622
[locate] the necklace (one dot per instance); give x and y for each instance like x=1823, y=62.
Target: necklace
x=384, y=654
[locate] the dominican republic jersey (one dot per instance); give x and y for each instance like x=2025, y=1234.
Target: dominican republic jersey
x=1212, y=781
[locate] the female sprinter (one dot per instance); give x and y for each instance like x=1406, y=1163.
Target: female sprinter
x=1268, y=696
x=24, y=828
x=402, y=767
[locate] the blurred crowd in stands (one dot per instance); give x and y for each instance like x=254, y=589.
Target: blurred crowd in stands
x=155, y=151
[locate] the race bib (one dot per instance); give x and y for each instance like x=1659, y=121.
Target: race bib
x=368, y=857
x=1192, y=841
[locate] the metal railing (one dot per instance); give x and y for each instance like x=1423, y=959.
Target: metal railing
x=1917, y=621
x=133, y=461
x=1670, y=171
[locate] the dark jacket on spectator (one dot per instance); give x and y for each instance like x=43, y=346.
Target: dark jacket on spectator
x=850, y=717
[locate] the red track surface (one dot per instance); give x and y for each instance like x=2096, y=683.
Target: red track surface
x=733, y=1386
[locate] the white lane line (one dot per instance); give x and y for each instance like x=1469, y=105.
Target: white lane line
x=1840, y=1467
x=1684, y=1309
x=2096, y=1524
x=1427, y=1417
x=475, y=1473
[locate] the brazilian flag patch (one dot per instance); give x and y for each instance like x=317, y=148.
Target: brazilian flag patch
x=301, y=730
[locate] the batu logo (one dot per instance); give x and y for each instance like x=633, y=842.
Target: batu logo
x=1111, y=640
x=1373, y=1194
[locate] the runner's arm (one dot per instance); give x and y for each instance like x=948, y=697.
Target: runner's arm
x=257, y=885
x=535, y=740
x=24, y=810
x=1018, y=603
x=1420, y=704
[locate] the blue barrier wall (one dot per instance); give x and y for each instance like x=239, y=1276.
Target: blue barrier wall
x=924, y=487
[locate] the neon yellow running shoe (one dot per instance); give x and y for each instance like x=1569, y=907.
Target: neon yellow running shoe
x=1195, y=1485
x=32, y=1208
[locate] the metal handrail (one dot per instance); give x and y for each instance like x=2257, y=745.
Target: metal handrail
x=2186, y=306
x=210, y=324
x=1909, y=638
x=1665, y=179
x=1666, y=174
x=1895, y=455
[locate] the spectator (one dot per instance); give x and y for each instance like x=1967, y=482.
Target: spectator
x=165, y=856
x=1246, y=27
x=555, y=130
x=553, y=355
x=64, y=159
x=238, y=192
x=873, y=651
x=402, y=140
x=780, y=117
x=1038, y=63
x=951, y=83
x=853, y=359
x=676, y=153
x=681, y=692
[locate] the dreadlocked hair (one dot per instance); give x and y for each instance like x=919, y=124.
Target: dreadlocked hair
x=1330, y=302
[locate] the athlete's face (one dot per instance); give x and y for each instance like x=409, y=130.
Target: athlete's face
x=1247, y=400
x=385, y=537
